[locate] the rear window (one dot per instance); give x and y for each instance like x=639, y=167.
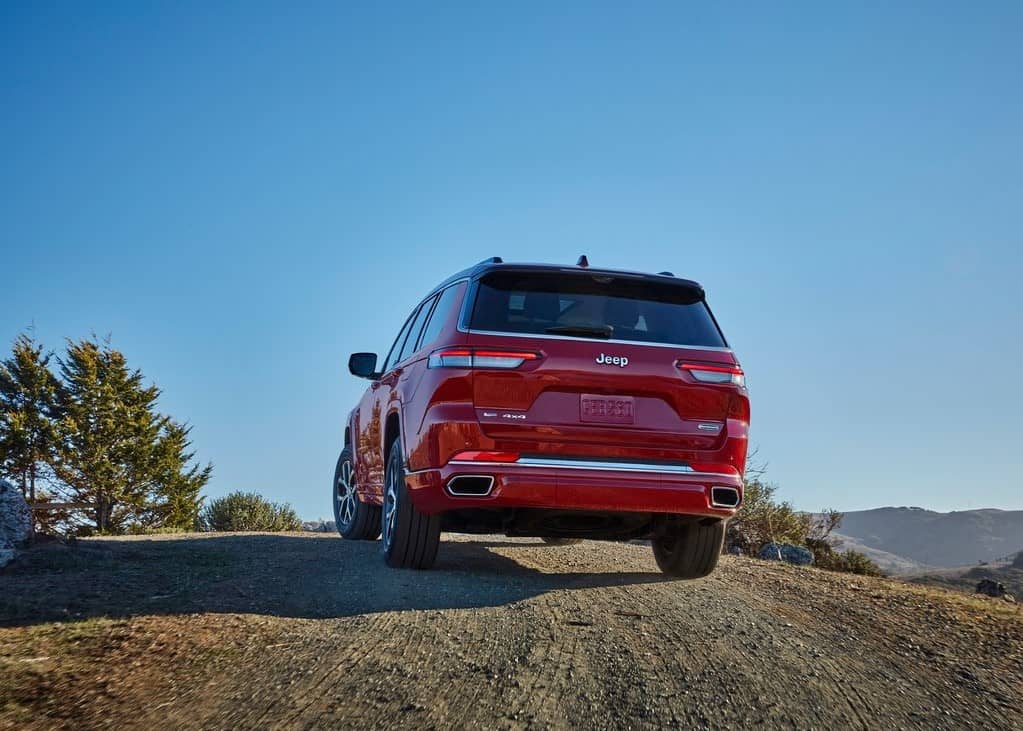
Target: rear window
x=594, y=305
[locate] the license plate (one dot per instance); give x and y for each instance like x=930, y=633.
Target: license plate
x=606, y=409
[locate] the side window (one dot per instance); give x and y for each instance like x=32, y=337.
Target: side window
x=440, y=314
x=392, y=356
x=417, y=327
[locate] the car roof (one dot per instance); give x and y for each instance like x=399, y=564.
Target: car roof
x=496, y=264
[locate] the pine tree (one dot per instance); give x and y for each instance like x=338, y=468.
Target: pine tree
x=177, y=501
x=117, y=452
x=28, y=414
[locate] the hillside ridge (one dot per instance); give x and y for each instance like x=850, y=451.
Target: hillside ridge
x=932, y=539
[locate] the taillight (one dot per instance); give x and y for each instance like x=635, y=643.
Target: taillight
x=714, y=374
x=481, y=456
x=479, y=358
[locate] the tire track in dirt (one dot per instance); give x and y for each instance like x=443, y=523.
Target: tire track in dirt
x=513, y=634
x=369, y=643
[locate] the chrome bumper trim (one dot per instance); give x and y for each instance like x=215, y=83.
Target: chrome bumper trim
x=578, y=464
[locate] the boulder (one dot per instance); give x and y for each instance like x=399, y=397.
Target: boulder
x=786, y=552
x=15, y=521
x=15, y=516
x=990, y=587
x=319, y=526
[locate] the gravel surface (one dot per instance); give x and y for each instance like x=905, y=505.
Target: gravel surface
x=309, y=631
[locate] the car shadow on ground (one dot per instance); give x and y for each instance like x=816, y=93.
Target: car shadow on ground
x=302, y=576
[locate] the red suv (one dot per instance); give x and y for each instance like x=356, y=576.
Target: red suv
x=550, y=401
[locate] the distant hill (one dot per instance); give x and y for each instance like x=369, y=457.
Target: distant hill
x=1008, y=572
x=890, y=563
x=926, y=537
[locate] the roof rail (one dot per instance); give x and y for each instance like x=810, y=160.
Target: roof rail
x=492, y=260
x=665, y=274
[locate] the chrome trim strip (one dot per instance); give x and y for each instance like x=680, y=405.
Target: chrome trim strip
x=595, y=341
x=574, y=464
x=582, y=464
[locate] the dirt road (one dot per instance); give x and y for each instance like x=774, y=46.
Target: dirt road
x=309, y=631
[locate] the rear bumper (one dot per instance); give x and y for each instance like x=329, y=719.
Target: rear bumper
x=575, y=485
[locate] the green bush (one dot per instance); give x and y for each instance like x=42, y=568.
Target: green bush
x=850, y=562
x=247, y=511
x=854, y=562
x=763, y=520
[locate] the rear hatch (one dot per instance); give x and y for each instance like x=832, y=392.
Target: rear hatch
x=605, y=358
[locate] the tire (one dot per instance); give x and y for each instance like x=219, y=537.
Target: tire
x=410, y=538
x=689, y=550
x=561, y=541
x=355, y=520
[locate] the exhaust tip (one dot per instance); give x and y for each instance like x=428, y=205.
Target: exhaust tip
x=471, y=485
x=724, y=497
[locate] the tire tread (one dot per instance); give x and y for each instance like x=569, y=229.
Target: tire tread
x=366, y=524
x=693, y=552
x=417, y=535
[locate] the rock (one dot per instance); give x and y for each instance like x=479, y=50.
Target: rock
x=990, y=587
x=319, y=526
x=786, y=552
x=15, y=516
x=15, y=521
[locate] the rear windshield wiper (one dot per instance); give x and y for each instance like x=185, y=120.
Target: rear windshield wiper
x=586, y=331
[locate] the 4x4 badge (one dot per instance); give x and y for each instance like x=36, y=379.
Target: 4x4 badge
x=619, y=360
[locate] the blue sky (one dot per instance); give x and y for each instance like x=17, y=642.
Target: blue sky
x=242, y=194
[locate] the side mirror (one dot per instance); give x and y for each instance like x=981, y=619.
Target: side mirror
x=363, y=365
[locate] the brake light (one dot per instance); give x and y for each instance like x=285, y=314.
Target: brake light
x=480, y=456
x=480, y=358
x=715, y=374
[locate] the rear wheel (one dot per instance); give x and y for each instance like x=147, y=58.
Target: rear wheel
x=410, y=537
x=561, y=541
x=689, y=550
x=354, y=519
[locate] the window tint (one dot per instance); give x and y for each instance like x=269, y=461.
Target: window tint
x=392, y=356
x=417, y=327
x=594, y=305
x=440, y=315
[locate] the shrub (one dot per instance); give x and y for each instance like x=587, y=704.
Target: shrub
x=850, y=562
x=854, y=562
x=247, y=511
x=762, y=520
